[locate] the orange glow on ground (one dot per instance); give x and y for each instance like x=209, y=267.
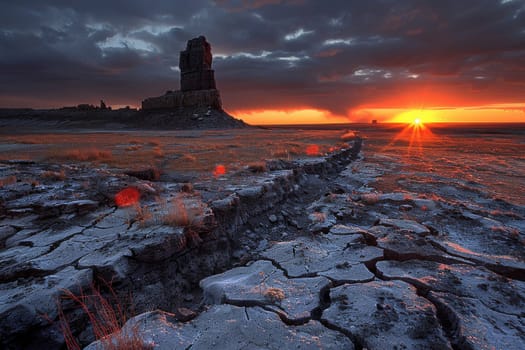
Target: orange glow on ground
x=292, y=116
x=127, y=197
x=416, y=133
x=312, y=150
x=219, y=170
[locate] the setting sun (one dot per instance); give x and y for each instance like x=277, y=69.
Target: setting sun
x=413, y=116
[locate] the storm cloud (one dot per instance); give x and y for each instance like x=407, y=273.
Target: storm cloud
x=268, y=54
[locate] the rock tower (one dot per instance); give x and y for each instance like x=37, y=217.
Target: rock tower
x=197, y=84
x=195, y=66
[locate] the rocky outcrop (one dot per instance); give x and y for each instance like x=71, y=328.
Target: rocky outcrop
x=195, y=66
x=184, y=99
x=197, y=84
x=196, y=106
x=185, y=118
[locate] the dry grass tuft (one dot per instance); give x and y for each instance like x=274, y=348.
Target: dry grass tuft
x=143, y=215
x=317, y=216
x=106, y=316
x=9, y=180
x=158, y=152
x=257, y=167
x=133, y=148
x=154, y=143
x=188, y=158
x=82, y=155
x=184, y=212
x=274, y=294
x=54, y=175
x=370, y=198
x=286, y=152
x=187, y=187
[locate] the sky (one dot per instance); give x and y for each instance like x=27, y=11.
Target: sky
x=275, y=61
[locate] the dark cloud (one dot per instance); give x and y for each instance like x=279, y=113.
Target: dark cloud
x=269, y=54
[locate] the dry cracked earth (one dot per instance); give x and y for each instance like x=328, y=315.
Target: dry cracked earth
x=306, y=254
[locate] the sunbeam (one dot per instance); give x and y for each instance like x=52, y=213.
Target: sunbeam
x=415, y=134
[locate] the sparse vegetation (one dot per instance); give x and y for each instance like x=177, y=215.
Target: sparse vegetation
x=187, y=187
x=154, y=143
x=133, y=147
x=143, y=215
x=274, y=294
x=370, y=198
x=158, y=152
x=188, y=158
x=8, y=180
x=180, y=151
x=54, y=175
x=257, y=167
x=184, y=211
x=106, y=315
x=317, y=216
x=82, y=155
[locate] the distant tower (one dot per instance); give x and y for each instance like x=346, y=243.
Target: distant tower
x=195, y=66
x=197, y=82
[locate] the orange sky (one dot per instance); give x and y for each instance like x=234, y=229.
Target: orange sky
x=508, y=113
x=286, y=61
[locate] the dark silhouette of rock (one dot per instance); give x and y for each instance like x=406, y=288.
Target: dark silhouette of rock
x=195, y=66
x=185, y=99
x=85, y=107
x=196, y=106
x=198, y=88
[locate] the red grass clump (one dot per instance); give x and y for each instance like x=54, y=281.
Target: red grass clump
x=312, y=150
x=127, y=197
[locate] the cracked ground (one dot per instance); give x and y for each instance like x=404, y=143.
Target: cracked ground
x=360, y=267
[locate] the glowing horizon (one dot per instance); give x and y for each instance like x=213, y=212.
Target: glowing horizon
x=288, y=117
x=497, y=113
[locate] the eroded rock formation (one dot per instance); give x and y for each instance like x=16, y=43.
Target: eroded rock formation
x=197, y=82
x=195, y=66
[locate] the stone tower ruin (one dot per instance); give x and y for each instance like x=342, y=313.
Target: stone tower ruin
x=197, y=83
x=195, y=66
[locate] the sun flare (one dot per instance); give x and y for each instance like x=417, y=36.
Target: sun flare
x=415, y=117
x=415, y=133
